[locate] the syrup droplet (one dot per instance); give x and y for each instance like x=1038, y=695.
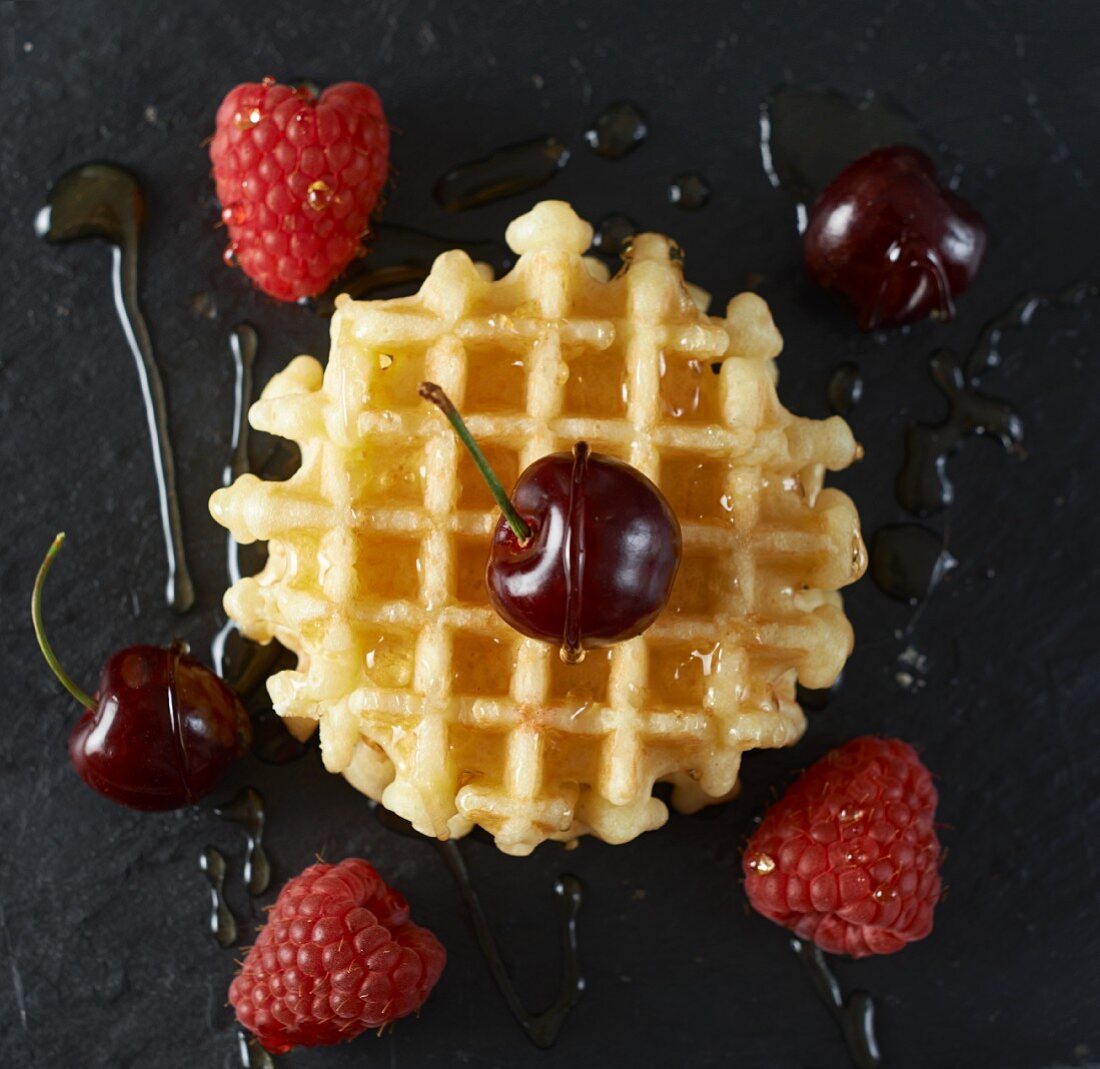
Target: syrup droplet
x=761, y=863
x=223, y=925
x=542, y=1029
x=689, y=191
x=855, y=1015
x=818, y=697
x=246, y=118
x=229, y=254
x=620, y=128
x=504, y=173
x=851, y=814
x=319, y=195
x=247, y=809
x=809, y=135
x=845, y=389
x=614, y=233
x=908, y=561
x=252, y=1055
x=104, y=200
x=235, y=214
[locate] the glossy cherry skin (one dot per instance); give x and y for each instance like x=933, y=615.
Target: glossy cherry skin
x=895, y=242
x=163, y=732
x=602, y=557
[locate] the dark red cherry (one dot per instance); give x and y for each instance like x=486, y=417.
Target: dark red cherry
x=601, y=559
x=586, y=551
x=161, y=730
x=894, y=241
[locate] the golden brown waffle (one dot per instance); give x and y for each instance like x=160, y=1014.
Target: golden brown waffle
x=426, y=699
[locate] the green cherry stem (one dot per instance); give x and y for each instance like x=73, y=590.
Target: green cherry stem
x=431, y=392
x=40, y=631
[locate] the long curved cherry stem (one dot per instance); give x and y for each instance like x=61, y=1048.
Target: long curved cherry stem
x=431, y=392
x=40, y=631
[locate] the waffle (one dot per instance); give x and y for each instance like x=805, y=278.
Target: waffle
x=427, y=701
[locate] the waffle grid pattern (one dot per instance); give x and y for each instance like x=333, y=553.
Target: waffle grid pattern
x=427, y=701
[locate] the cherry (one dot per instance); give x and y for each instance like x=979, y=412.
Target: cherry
x=161, y=729
x=893, y=240
x=587, y=549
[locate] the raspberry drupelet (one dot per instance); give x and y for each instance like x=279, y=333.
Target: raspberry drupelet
x=848, y=857
x=338, y=956
x=298, y=179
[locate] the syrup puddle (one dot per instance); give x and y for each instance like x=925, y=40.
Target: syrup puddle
x=541, y=1029
x=809, y=135
x=103, y=200
x=400, y=258
x=923, y=486
x=247, y=809
x=855, y=1015
x=505, y=172
x=223, y=925
x=908, y=561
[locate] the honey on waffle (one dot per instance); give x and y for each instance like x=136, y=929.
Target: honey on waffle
x=426, y=700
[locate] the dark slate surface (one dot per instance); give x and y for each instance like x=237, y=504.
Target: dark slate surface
x=106, y=960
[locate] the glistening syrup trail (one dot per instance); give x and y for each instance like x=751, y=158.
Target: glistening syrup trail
x=855, y=1015
x=244, y=664
x=505, y=172
x=923, y=485
x=247, y=809
x=243, y=344
x=541, y=1028
x=223, y=924
x=104, y=200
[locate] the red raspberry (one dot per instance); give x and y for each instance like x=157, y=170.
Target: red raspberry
x=848, y=857
x=298, y=179
x=336, y=957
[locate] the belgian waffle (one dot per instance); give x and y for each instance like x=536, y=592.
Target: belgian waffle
x=427, y=701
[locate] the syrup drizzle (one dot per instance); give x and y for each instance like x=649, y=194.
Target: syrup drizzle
x=689, y=191
x=223, y=925
x=400, y=258
x=503, y=173
x=247, y=809
x=845, y=388
x=855, y=1015
x=541, y=1029
x=908, y=561
x=620, y=128
x=244, y=664
x=103, y=200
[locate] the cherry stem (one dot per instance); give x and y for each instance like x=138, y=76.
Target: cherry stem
x=40, y=632
x=431, y=392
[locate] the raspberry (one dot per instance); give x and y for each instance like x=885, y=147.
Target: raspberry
x=848, y=857
x=336, y=957
x=298, y=179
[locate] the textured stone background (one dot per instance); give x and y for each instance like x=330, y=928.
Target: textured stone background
x=106, y=960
